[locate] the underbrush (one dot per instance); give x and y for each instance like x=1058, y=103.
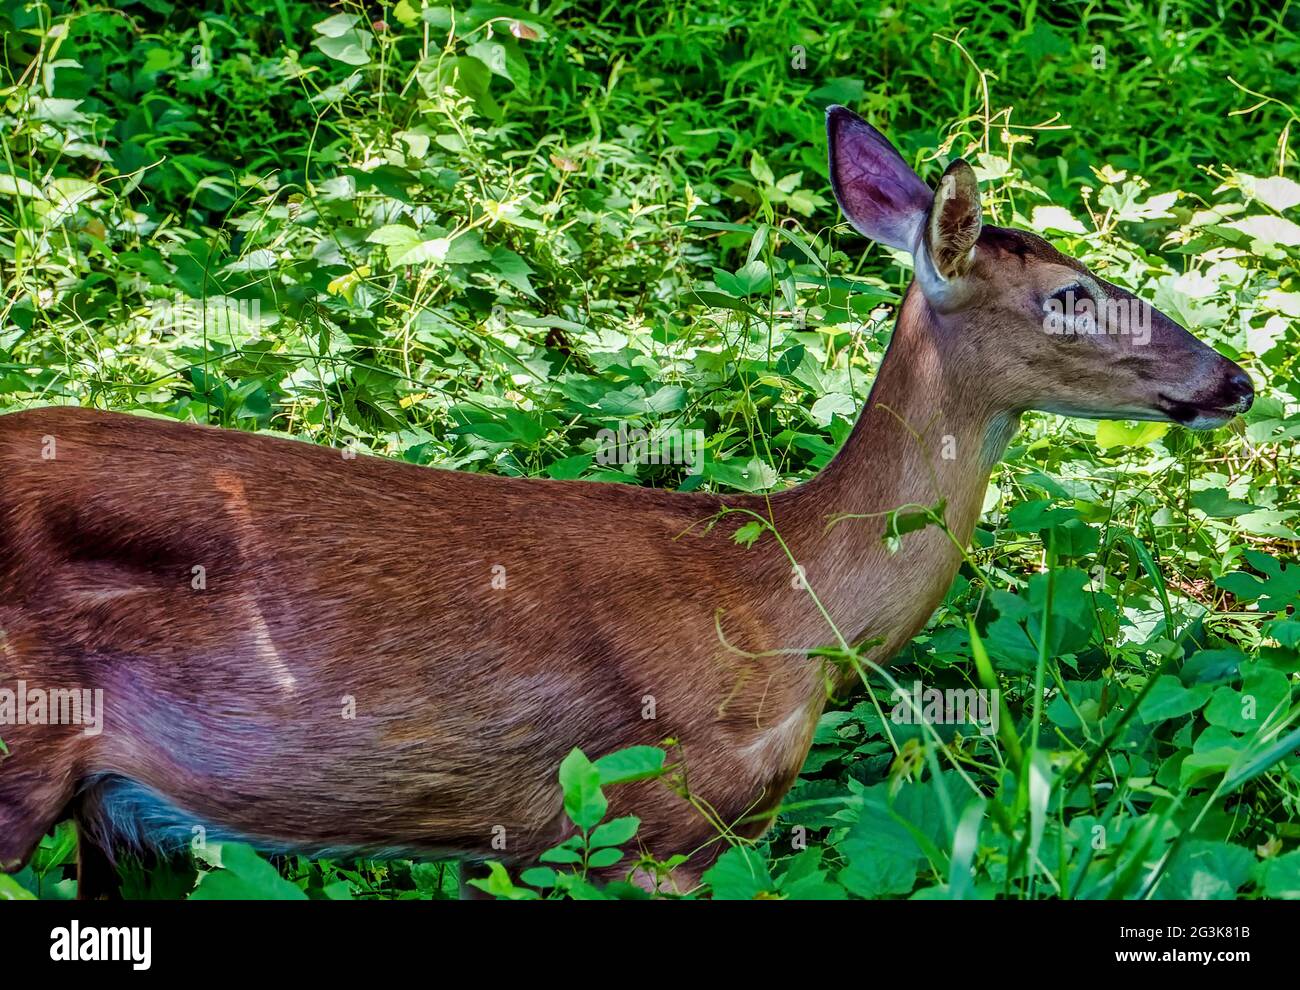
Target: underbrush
x=476, y=239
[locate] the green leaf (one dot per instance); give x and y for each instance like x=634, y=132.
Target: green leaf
x=1115, y=434
x=16, y=185
x=406, y=14
x=1277, y=192
x=1255, y=760
x=1204, y=870
x=569, y=468
x=1013, y=637
x=749, y=280
x=1170, y=699
x=434, y=250
x=244, y=876
x=343, y=42
x=602, y=858
x=561, y=854
x=402, y=242
x=1280, y=877
x=890, y=841
x=514, y=270
x=336, y=26
x=1261, y=693
x=502, y=56
x=584, y=802
x=1279, y=586
x=720, y=300
x=1216, y=502
x=833, y=404
x=740, y=874
x=1038, y=515
x=965, y=843
x=1056, y=218
x=760, y=170
x=748, y=476
x=1208, y=762
x=1212, y=666
x=466, y=249
x=539, y=876
x=1285, y=631
x=1268, y=230
x=814, y=887
x=499, y=884
x=614, y=832
x=472, y=78
x=12, y=890
x=631, y=764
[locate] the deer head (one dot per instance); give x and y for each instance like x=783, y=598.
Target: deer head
x=1033, y=327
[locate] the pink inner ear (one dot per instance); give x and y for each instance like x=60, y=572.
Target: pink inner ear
x=879, y=193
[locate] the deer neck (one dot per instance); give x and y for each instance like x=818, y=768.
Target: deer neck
x=930, y=432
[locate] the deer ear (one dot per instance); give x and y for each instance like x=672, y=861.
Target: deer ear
x=879, y=193
x=955, y=221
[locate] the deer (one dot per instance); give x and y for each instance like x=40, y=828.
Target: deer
x=329, y=578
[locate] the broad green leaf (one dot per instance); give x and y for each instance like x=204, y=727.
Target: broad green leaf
x=634, y=763
x=1111, y=433
x=342, y=41
x=614, y=832
x=750, y=476
x=1056, y=218
x=1204, y=870
x=584, y=802
x=1217, y=503
x=11, y=890
x=602, y=858
x=740, y=874
x=245, y=876
x=1277, y=192
x=1280, y=877
x=499, y=884
x=1268, y=230
x=1277, y=588
x=1170, y=699
x=1261, y=694
x=16, y=185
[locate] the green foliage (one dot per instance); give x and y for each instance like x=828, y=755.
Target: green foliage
x=567, y=868
x=242, y=875
x=476, y=237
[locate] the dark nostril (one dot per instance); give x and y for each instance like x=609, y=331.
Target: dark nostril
x=1242, y=387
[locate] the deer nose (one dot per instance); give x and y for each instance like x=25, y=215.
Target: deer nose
x=1240, y=389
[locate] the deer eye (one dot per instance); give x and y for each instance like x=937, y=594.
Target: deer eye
x=1070, y=312
x=1069, y=296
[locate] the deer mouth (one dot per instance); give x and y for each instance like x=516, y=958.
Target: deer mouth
x=1199, y=416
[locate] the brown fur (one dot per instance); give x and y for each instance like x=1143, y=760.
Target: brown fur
x=329, y=577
